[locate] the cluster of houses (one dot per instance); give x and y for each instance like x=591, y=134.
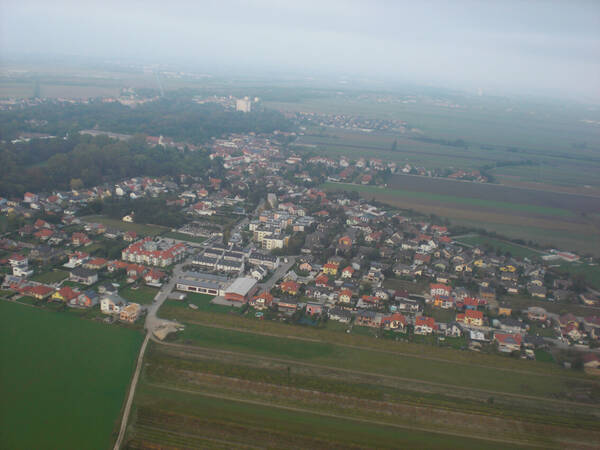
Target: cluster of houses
x=358, y=263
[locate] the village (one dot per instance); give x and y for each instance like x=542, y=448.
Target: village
x=296, y=253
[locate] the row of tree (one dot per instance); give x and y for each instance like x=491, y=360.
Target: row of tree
x=175, y=117
x=78, y=161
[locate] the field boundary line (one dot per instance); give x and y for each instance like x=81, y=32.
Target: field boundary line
x=393, y=377
x=131, y=393
x=389, y=352
x=342, y=417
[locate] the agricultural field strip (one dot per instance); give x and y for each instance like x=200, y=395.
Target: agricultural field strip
x=465, y=153
x=391, y=377
x=337, y=416
x=454, y=199
x=389, y=352
x=195, y=437
x=163, y=370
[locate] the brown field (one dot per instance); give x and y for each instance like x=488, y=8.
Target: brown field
x=493, y=192
x=560, y=225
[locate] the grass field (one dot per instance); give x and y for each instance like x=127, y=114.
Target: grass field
x=433, y=371
x=141, y=229
x=142, y=294
x=518, y=251
x=335, y=337
x=63, y=379
x=184, y=237
x=52, y=276
x=235, y=424
x=590, y=272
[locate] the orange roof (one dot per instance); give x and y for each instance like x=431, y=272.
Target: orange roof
x=425, y=321
x=472, y=314
x=290, y=286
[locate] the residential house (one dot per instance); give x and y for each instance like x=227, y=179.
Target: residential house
x=83, y=276
x=331, y=268
x=130, y=313
x=348, y=272
x=340, y=315
x=368, y=319
x=508, y=343
x=439, y=289
x=263, y=300
x=65, y=294
x=39, y=291
x=425, y=325
x=290, y=287
x=87, y=299
x=112, y=304
x=471, y=317
x=395, y=322
x=314, y=309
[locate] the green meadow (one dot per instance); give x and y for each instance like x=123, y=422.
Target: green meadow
x=64, y=379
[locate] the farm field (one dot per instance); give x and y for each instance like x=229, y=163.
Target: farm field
x=550, y=226
x=142, y=294
x=64, y=379
x=142, y=229
x=178, y=380
x=550, y=127
x=230, y=422
x=518, y=251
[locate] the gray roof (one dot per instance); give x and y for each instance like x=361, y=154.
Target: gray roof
x=242, y=286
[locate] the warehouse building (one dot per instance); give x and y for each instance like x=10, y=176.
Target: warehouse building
x=241, y=290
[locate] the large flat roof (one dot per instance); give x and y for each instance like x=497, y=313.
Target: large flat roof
x=241, y=286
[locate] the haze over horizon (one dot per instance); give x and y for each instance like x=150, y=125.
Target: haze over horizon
x=542, y=47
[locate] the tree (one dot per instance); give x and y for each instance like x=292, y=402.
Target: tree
x=76, y=183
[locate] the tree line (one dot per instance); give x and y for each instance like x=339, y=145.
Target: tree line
x=178, y=118
x=78, y=161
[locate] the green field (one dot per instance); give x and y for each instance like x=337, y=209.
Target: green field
x=590, y=272
x=141, y=229
x=184, y=237
x=515, y=250
x=258, y=379
x=235, y=424
x=451, y=199
x=142, y=294
x=429, y=370
x=52, y=276
x=64, y=379
x=545, y=225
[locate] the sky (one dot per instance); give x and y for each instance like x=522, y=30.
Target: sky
x=506, y=46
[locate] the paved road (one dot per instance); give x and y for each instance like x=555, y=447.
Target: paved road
x=152, y=323
x=279, y=273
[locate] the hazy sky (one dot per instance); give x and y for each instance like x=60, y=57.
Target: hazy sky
x=536, y=46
